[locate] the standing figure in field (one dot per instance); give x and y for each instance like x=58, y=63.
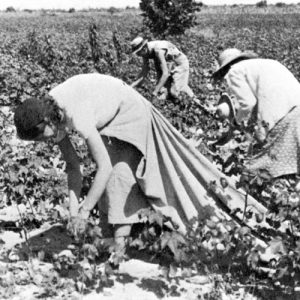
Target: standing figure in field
x=172, y=67
x=265, y=96
x=142, y=161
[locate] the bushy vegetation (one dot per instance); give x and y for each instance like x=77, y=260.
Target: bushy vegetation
x=280, y=4
x=39, y=52
x=262, y=3
x=10, y=9
x=169, y=16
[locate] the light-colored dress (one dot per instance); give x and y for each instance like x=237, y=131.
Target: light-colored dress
x=178, y=65
x=267, y=94
x=86, y=101
x=172, y=175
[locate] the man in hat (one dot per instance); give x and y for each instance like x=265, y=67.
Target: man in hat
x=171, y=65
x=266, y=95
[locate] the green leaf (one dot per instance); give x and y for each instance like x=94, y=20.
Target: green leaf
x=164, y=239
x=253, y=259
x=283, y=271
x=21, y=189
x=138, y=243
x=211, y=224
x=244, y=230
x=156, y=217
x=277, y=246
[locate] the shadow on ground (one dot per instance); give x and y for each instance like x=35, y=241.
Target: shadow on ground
x=47, y=243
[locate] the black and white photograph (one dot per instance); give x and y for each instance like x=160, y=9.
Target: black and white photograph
x=150, y=149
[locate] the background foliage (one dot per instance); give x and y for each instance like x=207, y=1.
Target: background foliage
x=169, y=16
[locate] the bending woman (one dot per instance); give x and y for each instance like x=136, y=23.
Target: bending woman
x=141, y=159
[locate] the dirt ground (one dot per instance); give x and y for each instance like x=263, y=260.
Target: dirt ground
x=26, y=268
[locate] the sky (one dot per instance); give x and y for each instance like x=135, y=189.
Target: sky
x=81, y=4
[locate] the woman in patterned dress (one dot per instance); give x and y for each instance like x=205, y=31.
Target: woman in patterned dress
x=265, y=95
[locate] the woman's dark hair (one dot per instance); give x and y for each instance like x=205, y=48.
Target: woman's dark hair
x=32, y=113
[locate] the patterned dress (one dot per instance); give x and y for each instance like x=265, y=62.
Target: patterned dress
x=280, y=153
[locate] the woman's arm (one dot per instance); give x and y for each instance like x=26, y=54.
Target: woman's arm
x=143, y=74
x=73, y=172
x=104, y=168
x=160, y=54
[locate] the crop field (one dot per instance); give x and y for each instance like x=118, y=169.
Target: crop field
x=39, y=50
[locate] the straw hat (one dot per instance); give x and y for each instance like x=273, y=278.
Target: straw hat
x=229, y=57
x=137, y=44
x=226, y=107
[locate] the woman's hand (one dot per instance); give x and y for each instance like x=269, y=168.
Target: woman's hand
x=83, y=213
x=77, y=226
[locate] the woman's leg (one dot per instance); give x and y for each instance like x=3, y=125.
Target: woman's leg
x=123, y=196
x=121, y=232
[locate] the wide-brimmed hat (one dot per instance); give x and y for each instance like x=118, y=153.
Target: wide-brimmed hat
x=229, y=57
x=137, y=44
x=226, y=105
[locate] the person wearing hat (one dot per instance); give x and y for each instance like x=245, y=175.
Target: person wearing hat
x=266, y=95
x=171, y=65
